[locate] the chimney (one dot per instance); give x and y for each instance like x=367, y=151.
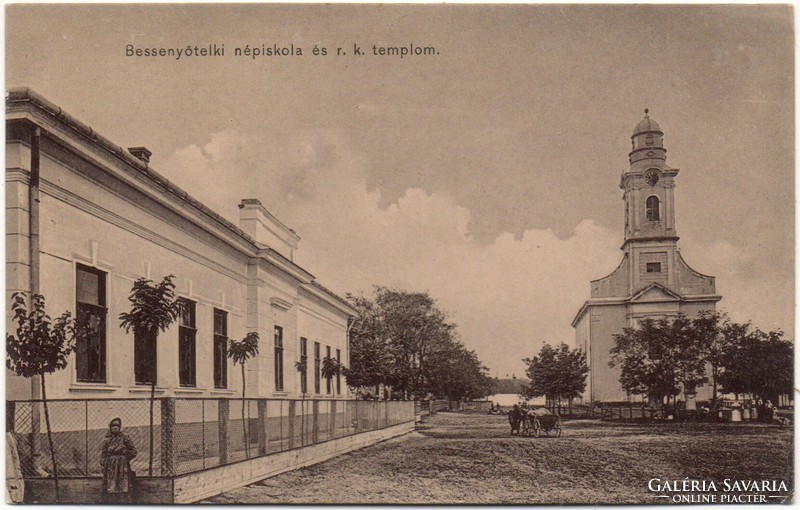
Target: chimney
x=141, y=153
x=266, y=229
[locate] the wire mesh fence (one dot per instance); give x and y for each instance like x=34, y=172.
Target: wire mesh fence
x=187, y=434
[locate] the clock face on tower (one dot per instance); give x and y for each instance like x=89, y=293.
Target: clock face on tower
x=651, y=177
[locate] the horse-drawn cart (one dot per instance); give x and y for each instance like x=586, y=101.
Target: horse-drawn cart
x=541, y=421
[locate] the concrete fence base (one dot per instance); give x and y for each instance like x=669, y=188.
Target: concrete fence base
x=199, y=485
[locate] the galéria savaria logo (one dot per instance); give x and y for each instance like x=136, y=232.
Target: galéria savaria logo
x=727, y=491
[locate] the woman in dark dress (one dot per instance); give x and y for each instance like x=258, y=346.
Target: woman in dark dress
x=115, y=460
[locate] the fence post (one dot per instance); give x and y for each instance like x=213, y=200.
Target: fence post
x=11, y=408
x=168, y=453
x=332, y=420
x=315, y=422
x=292, y=419
x=223, y=417
x=263, y=439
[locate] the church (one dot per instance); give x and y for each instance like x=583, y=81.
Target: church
x=653, y=280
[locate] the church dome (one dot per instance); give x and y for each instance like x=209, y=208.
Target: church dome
x=646, y=124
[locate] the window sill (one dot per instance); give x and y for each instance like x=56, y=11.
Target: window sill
x=189, y=391
x=222, y=391
x=280, y=393
x=93, y=387
x=145, y=389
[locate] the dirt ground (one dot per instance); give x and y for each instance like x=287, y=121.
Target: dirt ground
x=462, y=458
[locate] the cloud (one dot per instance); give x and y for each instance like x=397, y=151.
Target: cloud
x=508, y=296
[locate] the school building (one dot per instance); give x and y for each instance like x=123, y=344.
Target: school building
x=85, y=218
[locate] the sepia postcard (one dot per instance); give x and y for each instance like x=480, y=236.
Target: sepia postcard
x=399, y=254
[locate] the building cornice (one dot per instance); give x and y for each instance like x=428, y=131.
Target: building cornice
x=25, y=105
x=326, y=296
x=657, y=239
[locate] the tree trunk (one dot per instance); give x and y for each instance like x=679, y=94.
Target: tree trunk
x=152, y=402
x=50, y=437
x=303, y=420
x=714, y=376
x=244, y=423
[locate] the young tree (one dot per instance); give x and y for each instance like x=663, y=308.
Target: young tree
x=41, y=346
x=154, y=307
x=302, y=368
x=330, y=369
x=241, y=351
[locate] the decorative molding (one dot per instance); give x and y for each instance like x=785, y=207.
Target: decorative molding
x=279, y=303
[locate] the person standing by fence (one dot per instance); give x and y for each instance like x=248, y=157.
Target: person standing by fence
x=116, y=453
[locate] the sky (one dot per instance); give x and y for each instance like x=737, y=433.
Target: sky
x=486, y=174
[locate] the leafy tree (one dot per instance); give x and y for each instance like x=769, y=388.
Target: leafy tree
x=404, y=341
x=716, y=333
x=758, y=363
x=414, y=328
x=458, y=374
x=241, y=351
x=154, y=307
x=556, y=373
x=370, y=359
x=41, y=346
x=774, y=371
x=659, y=357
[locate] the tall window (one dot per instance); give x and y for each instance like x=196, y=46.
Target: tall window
x=187, y=352
x=90, y=356
x=144, y=359
x=328, y=379
x=316, y=368
x=338, y=374
x=652, y=208
x=220, y=349
x=278, y=358
x=304, y=363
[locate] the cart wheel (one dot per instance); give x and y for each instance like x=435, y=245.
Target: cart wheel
x=558, y=429
x=537, y=428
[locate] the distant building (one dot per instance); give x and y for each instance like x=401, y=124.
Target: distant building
x=652, y=280
x=106, y=218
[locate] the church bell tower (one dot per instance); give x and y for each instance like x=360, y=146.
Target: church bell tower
x=648, y=186
x=652, y=280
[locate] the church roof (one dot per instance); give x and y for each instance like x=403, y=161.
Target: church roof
x=646, y=124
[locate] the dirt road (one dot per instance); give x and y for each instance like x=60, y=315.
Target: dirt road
x=470, y=458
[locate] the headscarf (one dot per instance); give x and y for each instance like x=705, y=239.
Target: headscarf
x=117, y=420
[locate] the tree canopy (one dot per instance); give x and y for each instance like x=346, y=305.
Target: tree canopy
x=661, y=357
x=556, y=373
x=403, y=340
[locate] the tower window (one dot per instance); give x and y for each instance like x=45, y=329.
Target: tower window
x=654, y=267
x=652, y=209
